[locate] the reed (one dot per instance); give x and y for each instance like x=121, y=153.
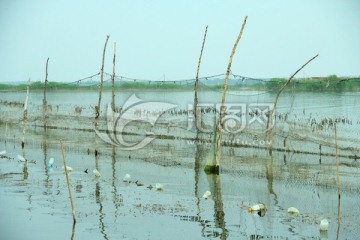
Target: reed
x=68, y=183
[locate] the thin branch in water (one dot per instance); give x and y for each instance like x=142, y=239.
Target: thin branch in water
x=68, y=183
x=45, y=82
x=222, y=108
x=24, y=120
x=338, y=182
x=97, y=109
x=270, y=120
x=197, y=79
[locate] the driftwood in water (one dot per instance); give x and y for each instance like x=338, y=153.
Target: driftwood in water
x=215, y=167
x=97, y=108
x=197, y=81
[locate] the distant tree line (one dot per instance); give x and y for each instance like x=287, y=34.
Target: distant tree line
x=316, y=84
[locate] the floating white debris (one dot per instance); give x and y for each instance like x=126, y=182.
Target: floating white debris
x=159, y=186
x=207, y=194
x=51, y=162
x=324, y=225
x=21, y=158
x=293, y=210
x=257, y=207
x=126, y=177
x=97, y=173
x=68, y=169
x=3, y=152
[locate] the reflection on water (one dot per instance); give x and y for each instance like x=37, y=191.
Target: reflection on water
x=108, y=208
x=35, y=202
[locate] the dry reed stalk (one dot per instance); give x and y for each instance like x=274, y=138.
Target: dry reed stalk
x=97, y=109
x=219, y=124
x=113, y=81
x=197, y=80
x=68, y=183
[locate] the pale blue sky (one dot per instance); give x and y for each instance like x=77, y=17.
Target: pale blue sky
x=162, y=37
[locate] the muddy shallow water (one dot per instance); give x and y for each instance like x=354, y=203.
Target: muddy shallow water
x=35, y=202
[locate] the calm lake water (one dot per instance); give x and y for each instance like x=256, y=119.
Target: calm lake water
x=34, y=199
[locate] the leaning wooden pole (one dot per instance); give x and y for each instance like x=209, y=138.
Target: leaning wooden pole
x=197, y=81
x=113, y=81
x=271, y=112
x=215, y=168
x=68, y=183
x=97, y=108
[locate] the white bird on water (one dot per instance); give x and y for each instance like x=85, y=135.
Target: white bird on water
x=324, y=225
x=207, y=194
x=3, y=152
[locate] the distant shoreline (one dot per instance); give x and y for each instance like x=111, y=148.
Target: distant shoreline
x=326, y=84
